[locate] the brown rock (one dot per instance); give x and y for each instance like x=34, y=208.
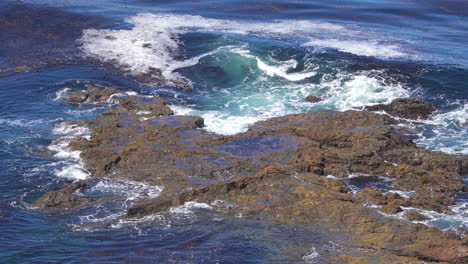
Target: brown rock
x=276, y=195
x=412, y=108
x=275, y=171
x=373, y=195
x=313, y=99
x=415, y=216
x=391, y=208
x=78, y=97
x=65, y=198
x=92, y=95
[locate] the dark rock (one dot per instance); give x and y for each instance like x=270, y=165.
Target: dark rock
x=313, y=99
x=92, y=95
x=65, y=198
x=411, y=108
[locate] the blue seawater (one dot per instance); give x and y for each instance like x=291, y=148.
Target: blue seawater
x=246, y=61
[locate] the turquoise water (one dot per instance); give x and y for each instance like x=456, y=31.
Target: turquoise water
x=246, y=61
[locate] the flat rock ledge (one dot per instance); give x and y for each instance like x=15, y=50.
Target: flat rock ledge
x=410, y=108
x=277, y=171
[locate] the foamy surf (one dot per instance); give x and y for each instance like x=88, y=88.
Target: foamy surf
x=265, y=99
x=312, y=256
x=360, y=47
x=154, y=41
x=72, y=166
x=124, y=194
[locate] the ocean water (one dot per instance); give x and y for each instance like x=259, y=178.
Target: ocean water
x=245, y=61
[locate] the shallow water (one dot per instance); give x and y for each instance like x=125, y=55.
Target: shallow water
x=247, y=61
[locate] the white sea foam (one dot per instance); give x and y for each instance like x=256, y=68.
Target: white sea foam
x=346, y=92
x=405, y=194
x=450, y=223
x=188, y=207
x=72, y=171
x=451, y=131
x=181, y=110
x=266, y=100
x=360, y=47
x=311, y=257
x=26, y=123
x=131, y=189
x=153, y=41
x=445, y=131
x=70, y=130
x=62, y=94
x=74, y=167
x=143, y=112
x=280, y=68
x=179, y=215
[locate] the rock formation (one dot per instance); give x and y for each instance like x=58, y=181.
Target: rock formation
x=277, y=171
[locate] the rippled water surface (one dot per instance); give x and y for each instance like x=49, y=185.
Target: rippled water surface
x=245, y=61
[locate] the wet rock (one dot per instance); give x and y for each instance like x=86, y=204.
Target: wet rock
x=278, y=194
x=415, y=216
x=92, y=95
x=411, y=108
x=64, y=199
x=96, y=95
x=438, y=202
x=461, y=260
x=276, y=171
x=391, y=208
x=78, y=97
x=375, y=196
x=313, y=99
x=372, y=257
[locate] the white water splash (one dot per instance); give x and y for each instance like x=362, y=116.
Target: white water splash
x=153, y=42
x=74, y=167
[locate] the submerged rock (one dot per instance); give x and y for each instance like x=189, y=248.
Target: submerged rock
x=411, y=108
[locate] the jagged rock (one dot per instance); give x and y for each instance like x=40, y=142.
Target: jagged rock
x=438, y=202
x=78, y=97
x=411, y=108
x=375, y=196
x=415, y=216
x=65, y=198
x=92, y=95
x=278, y=194
x=372, y=257
x=313, y=99
x=276, y=171
x=391, y=208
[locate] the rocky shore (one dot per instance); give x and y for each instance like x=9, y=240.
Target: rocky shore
x=286, y=169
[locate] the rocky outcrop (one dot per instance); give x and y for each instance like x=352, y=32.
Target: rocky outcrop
x=411, y=108
x=92, y=95
x=279, y=194
x=312, y=99
x=277, y=171
x=65, y=198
